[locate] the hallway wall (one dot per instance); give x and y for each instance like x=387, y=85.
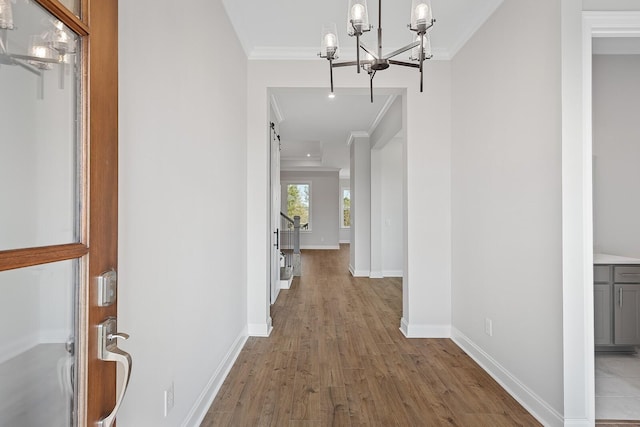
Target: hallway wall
x=183, y=209
x=506, y=202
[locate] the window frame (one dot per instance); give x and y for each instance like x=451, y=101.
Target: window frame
x=341, y=216
x=298, y=182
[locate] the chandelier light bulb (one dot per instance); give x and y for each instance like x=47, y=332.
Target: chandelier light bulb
x=331, y=96
x=422, y=12
x=330, y=40
x=357, y=13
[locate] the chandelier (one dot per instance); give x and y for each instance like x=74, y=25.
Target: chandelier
x=43, y=51
x=358, y=24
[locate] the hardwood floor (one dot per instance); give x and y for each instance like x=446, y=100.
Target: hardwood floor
x=337, y=358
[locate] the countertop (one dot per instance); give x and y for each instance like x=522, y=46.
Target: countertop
x=606, y=259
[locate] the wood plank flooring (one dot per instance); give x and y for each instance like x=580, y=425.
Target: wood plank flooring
x=337, y=358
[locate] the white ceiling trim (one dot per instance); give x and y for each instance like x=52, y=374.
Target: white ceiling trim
x=479, y=21
x=356, y=134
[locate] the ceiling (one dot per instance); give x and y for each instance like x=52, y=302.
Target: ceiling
x=315, y=129
x=291, y=29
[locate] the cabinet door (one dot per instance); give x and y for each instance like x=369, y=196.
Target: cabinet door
x=627, y=314
x=602, y=314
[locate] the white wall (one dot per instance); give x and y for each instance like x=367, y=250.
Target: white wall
x=360, y=173
x=506, y=202
x=182, y=205
x=324, y=207
x=616, y=154
x=391, y=213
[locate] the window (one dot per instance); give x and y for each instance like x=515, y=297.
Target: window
x=299, y=203
x=345, y=207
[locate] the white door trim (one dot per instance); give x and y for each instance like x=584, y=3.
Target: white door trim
x=579, y=361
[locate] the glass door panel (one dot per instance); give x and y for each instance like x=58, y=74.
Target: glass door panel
x=37, y=345
x=72, y=5
x=39, y=128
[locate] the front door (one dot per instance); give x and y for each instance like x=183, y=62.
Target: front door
x=58, y=210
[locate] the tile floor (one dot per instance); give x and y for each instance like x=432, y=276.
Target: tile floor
x=617, y=386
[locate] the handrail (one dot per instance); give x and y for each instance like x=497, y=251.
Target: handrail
x=287, y=218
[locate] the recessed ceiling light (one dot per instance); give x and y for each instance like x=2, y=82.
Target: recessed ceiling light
x=308, y=155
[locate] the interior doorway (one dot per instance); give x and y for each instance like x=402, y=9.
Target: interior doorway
x=613, y=376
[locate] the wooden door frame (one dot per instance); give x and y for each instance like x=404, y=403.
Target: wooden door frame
x=97, y=249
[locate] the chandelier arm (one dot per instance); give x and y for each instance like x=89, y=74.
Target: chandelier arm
x=404, y=64
x=34, y=58
x=28, y=67
x=358, y=52
x=421, y=56
x=369, y=51
x=342, y=64
x=403, y=49
x=371, y=76
x=331, y=72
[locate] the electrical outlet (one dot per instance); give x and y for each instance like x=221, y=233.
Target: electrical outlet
x=488, y=327
x=169, y=397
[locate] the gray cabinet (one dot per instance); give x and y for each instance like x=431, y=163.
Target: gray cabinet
x=627, y=314
x=617, y=305
x=602, y=314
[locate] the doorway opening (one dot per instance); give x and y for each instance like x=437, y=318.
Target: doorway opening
x=349, y=155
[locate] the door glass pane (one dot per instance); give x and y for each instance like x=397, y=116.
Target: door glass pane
x=72, y=5
x=37, y=330
x=39, y=128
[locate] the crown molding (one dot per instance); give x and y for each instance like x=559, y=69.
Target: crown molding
x=356, y=134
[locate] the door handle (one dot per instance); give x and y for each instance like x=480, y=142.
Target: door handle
x=109, y=352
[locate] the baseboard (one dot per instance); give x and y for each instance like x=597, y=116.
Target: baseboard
x=345, y=242
x=359, y=273
x=581, y=422
x=12, y=349
x=540, y=409
x=376, y=275
x=202, y=405
x=259, y=329
x=320, y=247
x=424, y=331
x=392, y=273
x=286, y=284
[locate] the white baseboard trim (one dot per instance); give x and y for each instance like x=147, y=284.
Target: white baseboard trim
x=12, y=349
x=582, y=422
x=286, y=284
x=320, y=247
x=359, y=273
x=259, y=329
x=540, y=409
x=345, y=241
x=376, y=275
x=202, y=405
x=392, y=273
x=424, y=331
